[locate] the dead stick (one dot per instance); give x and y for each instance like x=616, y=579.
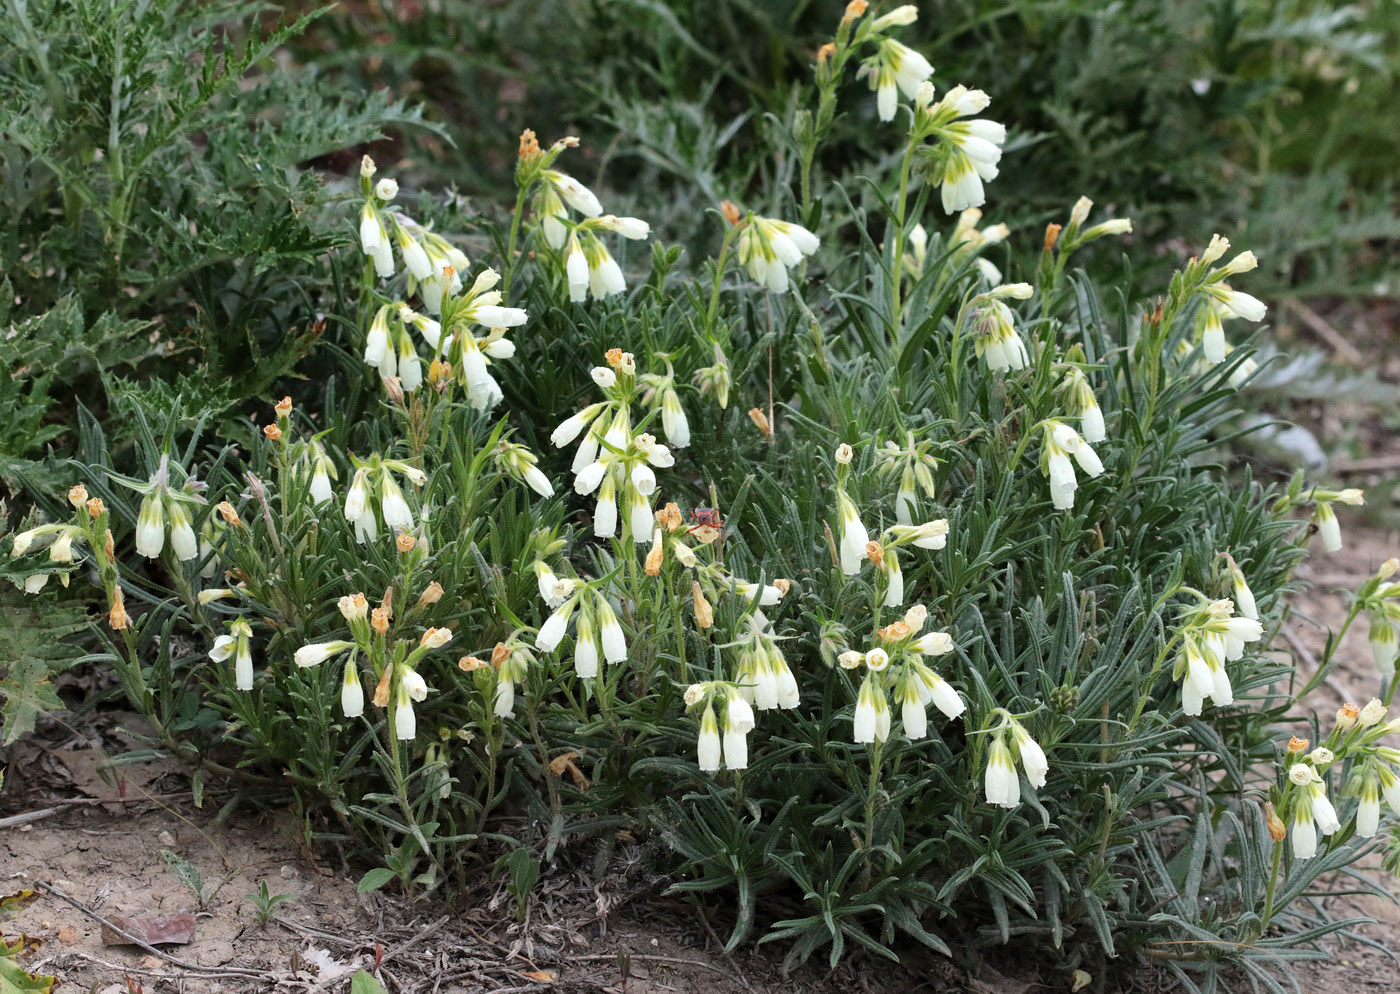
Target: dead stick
x=27, y=817
x=219, y=971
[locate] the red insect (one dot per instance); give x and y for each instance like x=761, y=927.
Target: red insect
x=708, y=524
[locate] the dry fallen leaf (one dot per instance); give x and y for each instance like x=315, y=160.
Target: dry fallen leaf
x=154, y=931
x=543, y=976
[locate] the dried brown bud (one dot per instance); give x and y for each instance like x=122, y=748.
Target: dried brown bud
x=95, y=507
x=731, y=213
x=614, y=357
x=379, y=620
x=438, y=372
x=564, y=763
x=1297, y=745
x=783, y=584
x=875, y=552
x=854, y=9
x=669, y=517
x=704, y=611
x=381, y=689
x=393, y=388
x=760, y=419
x=108, y=546
x=77, y=496
x=1278, y=831
x=430, y=595
x=895, y=631
x=273, y=433
x=283, y=407
x=405, y=542
x=529, y=145
x=655, y=555
x=826, y=52
x=1052, y=235
x=227, y=512
x=469, y=663
x=117, y=617
x=499, y=655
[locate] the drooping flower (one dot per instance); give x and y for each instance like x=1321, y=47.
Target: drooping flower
x=769, y=248
x=994, y=328
x=967, y=153
x=854, y=537
x=1062, y=441
x=1001, y=784
x=895, y=67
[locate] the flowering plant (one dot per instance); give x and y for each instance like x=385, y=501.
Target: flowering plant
x=868, y=527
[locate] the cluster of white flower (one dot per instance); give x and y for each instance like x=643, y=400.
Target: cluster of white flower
x=769, y=248
x=993, y=325
x=1001, y=782
x=589, y=268
x=898, y=664
x=597, y=631
x=714, y=748
x=1222, y=302
x=373, y=479
x=1211, y=635
x=614, y=459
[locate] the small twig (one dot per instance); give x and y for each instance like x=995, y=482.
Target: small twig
x=709, y=929
x=652, y=958
x=1325, y=331
x=423, y=933
x=218, y=971
x=27, y=817
x=1372, y=464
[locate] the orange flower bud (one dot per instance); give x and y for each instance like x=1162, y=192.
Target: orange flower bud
x=1052, y=235
x=854, y=9
x=614, y=357
x=405, y=542
x=1296, y=745
x=273, y=433
x=826, y=52
x=731, y=212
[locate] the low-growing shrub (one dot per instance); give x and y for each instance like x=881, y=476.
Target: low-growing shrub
x=901, y=599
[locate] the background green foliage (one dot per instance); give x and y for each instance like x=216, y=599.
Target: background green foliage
x=1264, y=118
